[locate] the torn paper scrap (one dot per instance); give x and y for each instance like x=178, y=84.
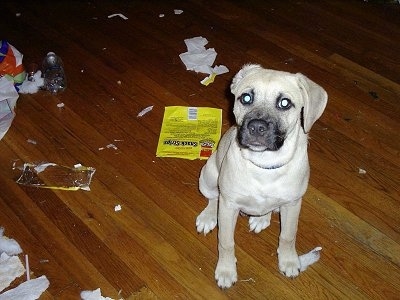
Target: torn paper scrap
x=53, y=176
x=117, y=207
x=145, y=111
x=32, y=86
x=221, y=69
x=178, y=11
x=10, y=268
x=199, y=59
x=93, y=295
x=8, y=101
x=209, y=79
x=118, y=15
x=7, y=245
x=309, y=258
x=28, y=290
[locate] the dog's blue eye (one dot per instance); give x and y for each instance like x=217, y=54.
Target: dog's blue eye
x=246, y=98
x=284, y=103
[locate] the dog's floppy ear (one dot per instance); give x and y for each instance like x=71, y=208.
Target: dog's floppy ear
x=315, y=100
x=245, y=70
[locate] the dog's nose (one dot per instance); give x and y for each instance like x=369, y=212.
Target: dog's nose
x=258, y=127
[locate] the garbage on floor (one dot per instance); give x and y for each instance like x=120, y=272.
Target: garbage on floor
x=189, y=132
x=53, y=176
x=199, y=59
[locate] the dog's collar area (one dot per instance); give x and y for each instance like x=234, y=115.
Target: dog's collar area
x=274, y=167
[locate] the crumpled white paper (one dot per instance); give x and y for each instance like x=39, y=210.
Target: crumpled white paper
x=309, y=258
x=28, y=290
x=10, y=268
x=32, y=87
x=93, y=295
x=199, y=59
x=8, y=100
x=7, y=245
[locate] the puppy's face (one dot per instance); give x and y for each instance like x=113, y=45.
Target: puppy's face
x=268, y=106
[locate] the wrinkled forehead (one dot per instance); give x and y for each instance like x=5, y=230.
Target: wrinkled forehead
x=269, y=84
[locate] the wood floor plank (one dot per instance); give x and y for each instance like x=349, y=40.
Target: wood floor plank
x=150, y=248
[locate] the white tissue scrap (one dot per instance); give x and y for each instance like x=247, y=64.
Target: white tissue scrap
x=145, y=111
x=8, y=246
x=117, y=207
x=28, y=290
x=199, y=59
x=309, y=258
x=32, y=87
x=10, y=268
x=178, y=11
x=93, y=295
x=118, y=15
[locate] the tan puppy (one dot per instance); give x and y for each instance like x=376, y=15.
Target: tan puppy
x=261, y=164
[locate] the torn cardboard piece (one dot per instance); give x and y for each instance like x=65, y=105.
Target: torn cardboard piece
x=189, y=132
x=53, y=176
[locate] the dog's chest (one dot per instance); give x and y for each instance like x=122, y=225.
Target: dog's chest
x=260, y=193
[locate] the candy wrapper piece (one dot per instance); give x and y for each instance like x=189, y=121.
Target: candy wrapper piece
x=11, y=63
x=189, y=132
x=8, y=101
x=53, y=176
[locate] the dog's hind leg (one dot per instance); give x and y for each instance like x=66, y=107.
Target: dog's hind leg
x=208, y=185
x=260, y=223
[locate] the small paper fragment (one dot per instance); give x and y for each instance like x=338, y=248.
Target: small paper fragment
x=10, y=268
x=93, y=295
x=118, y=15
x=362, y=171
x=28, y=290
x=7, y=245
x=117, y=207
x=178, y=11
x=145, y=111
x=309, y=258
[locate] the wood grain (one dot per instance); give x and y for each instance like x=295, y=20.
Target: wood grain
x=150, y=249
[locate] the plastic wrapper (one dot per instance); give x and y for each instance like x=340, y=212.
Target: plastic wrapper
x=11, y=63
x=8, y=101
x=53, y=176
x=189, y=132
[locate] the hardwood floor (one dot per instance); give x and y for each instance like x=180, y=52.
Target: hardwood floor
x=150, y=249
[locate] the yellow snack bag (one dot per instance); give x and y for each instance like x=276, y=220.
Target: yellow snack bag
x=189, y=132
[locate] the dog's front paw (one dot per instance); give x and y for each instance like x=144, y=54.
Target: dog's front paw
x=289, y=264
x=225, y=275
x=259, y=223
x=207, y=219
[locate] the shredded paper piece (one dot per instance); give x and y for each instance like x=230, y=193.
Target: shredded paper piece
x=93, y=295
x=145, y=111
x=8, y=246
x=189, y=132
x=118, y=15
x=199, y=59
x=28, y=290
x=10, y=268
x=309, y=258
x=53, y=176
